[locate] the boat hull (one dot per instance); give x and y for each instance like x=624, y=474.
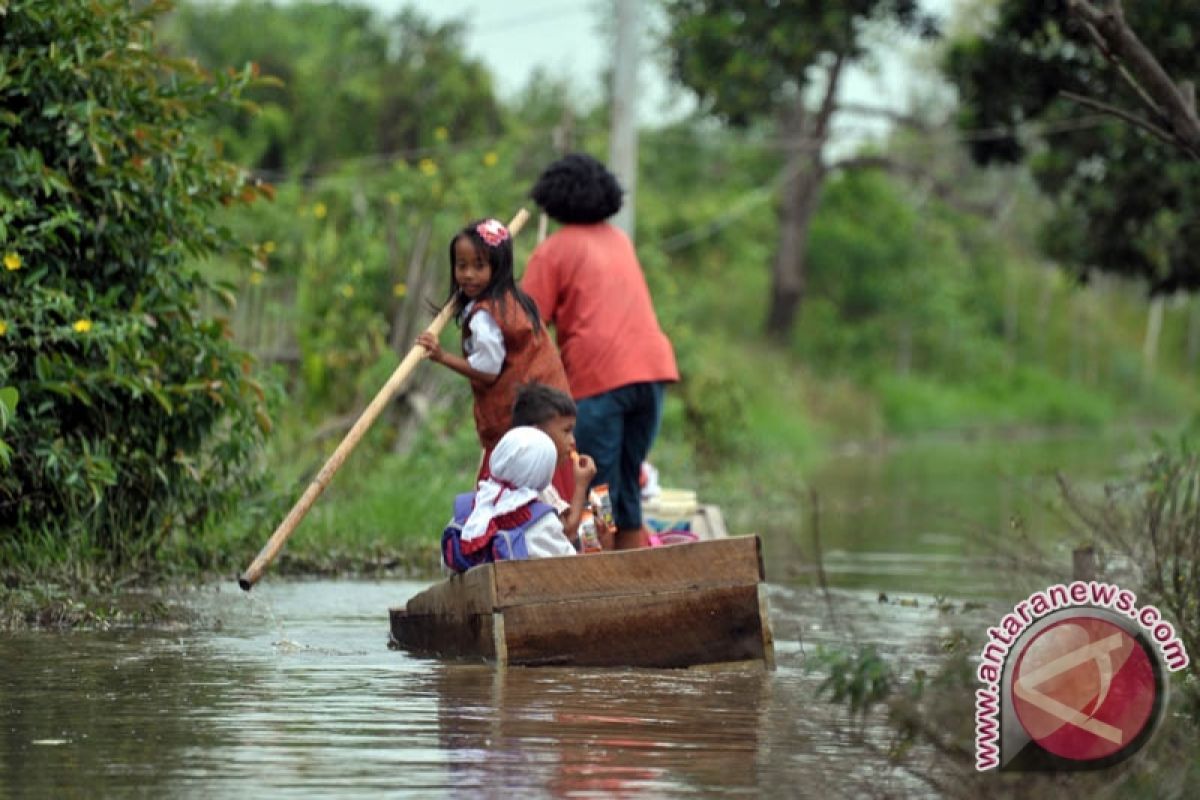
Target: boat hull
x=675, y=606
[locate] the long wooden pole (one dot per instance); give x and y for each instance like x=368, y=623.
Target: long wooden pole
x=368, y=417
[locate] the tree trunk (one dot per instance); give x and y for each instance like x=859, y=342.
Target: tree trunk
x=804, y=175
x=904, y=348
x=1154, y=320
x=1012, y=315
x=1193, y=334
x=405, y=310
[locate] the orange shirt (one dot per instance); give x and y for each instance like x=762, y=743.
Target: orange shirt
x=587, y=282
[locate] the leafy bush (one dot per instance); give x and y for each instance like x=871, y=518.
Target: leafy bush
x=137, y=417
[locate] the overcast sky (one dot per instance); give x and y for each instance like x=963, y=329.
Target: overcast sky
x=568, y=38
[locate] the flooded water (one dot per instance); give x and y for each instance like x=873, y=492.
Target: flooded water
x=291, y=690
x=939, y=515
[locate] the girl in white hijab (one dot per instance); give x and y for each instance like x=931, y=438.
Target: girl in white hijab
x=521, y=467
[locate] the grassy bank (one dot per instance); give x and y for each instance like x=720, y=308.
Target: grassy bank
x=384, y=511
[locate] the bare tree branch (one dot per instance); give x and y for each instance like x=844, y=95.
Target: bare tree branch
x=870, y=162
x=1112, y=57
x=828, y=104
x=1132, y=119
x=1158, y=91
x=899, y=117
x=944, y=191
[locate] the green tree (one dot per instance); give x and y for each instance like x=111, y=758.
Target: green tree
x=135, y=417
x=1126, y=198
x=348, y=83
x=760, y=63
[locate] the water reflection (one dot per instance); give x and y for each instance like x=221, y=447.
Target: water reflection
x=619, y=733
x=292, y=692
x=934, y=515
x=114, y=710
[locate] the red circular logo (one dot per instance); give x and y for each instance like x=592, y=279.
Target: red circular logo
x=1084, y=688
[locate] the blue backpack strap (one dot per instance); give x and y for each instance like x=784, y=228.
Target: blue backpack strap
x=510, y=545
x=538, y=510
x=452, y=555
x=463, y=503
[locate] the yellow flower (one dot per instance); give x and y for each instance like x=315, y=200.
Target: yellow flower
x=428, y=167
x=393, y=198
x=440, y=133
x=12, y=261
x=82, y=325
x=400, y=290
x=3, y=327
x=490, y=159
x=268, y=246
x=319, y=210
x=347, y=290
x=256, y=278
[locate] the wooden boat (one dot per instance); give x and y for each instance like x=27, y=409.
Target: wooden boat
x=679, y=605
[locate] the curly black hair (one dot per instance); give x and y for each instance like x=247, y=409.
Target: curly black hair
x=578, y=189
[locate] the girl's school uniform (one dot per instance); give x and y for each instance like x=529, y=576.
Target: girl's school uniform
x=499, y=338
x=502, y=341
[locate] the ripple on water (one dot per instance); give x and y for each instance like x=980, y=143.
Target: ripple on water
x=295, y=692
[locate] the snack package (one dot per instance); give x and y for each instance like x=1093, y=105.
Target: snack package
x=601, y=503
x=589, y=542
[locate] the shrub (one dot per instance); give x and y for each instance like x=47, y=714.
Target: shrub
x=136, y=416
x=1148, y=532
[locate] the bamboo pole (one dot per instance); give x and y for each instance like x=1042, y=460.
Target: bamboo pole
x=368, y=417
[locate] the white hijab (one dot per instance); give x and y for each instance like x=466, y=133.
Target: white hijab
x=524, y=458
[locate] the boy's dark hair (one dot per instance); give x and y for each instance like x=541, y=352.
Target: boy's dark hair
x=578, y=189
x=537, y=403
x=503, y=284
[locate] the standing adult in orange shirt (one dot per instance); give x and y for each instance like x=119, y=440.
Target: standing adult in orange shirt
x=587, y=283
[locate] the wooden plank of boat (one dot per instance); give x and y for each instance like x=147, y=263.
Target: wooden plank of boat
x=675, y=606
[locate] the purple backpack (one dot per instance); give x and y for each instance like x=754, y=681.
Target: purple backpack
x=505, y=545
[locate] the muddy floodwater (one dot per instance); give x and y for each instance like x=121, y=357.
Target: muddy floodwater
x=291, y=690
x=296, y=693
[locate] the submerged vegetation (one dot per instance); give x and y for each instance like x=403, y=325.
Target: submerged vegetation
x=1145, y=531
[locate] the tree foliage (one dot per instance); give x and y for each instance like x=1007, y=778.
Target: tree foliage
x=128, y=415
x=748, y=61
x=754, y=63
x=346, y=82
x=1126, y=200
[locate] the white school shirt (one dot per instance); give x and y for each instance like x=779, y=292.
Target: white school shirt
x=485, y=346
x=545, y=538
x=552, y=498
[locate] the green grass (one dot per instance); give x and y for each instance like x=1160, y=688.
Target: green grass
x=1032, y=397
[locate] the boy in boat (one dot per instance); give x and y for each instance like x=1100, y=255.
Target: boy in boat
x=503, y=519
x=553, y=412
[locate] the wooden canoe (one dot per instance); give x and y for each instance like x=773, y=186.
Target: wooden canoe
x=675, y=606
